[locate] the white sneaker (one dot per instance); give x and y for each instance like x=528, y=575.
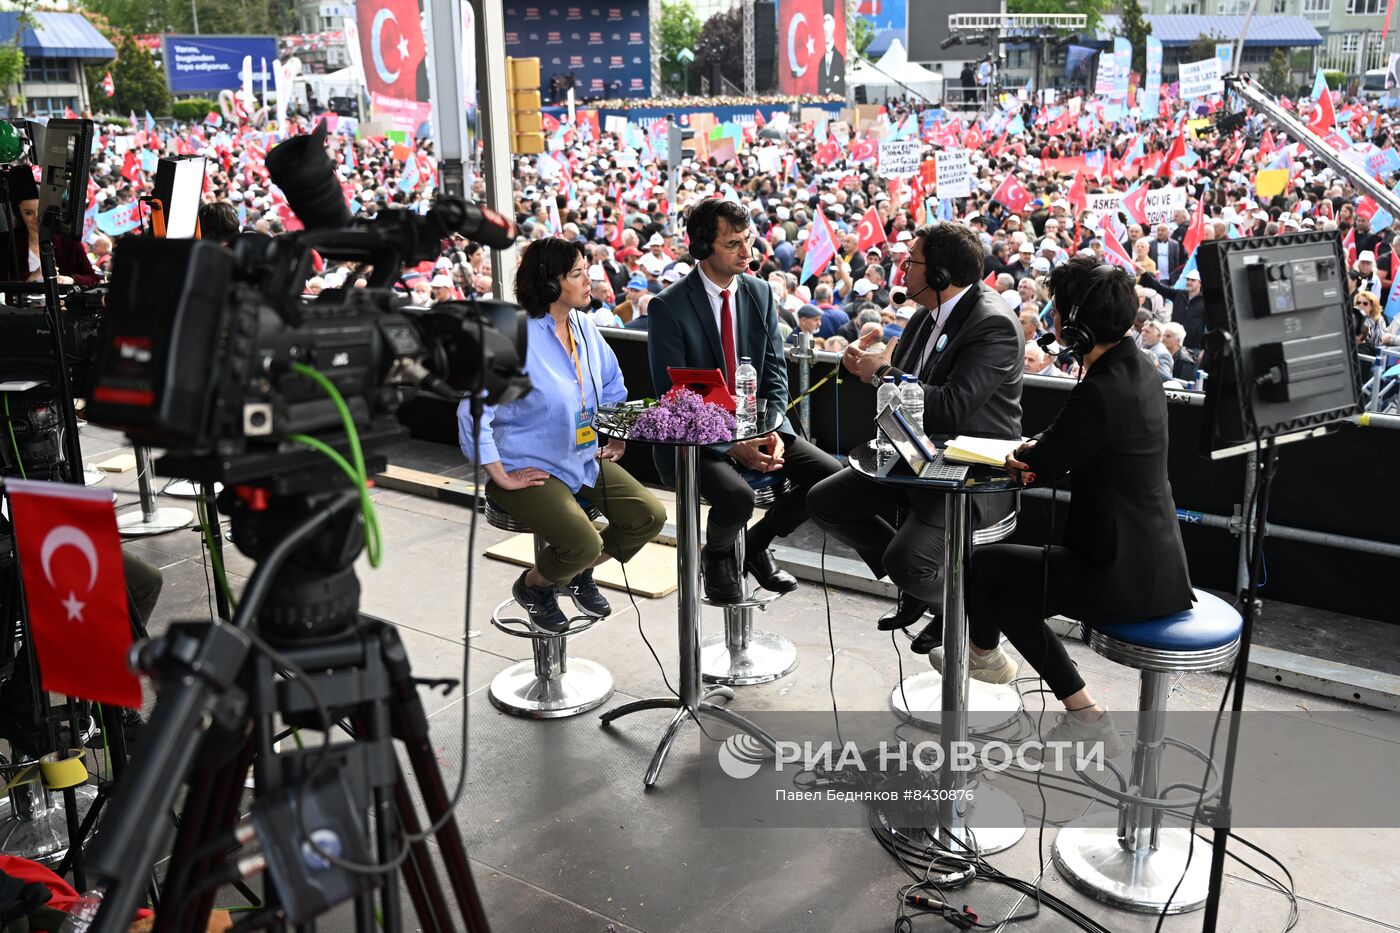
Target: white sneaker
x=1070, y=728
x=994, y=668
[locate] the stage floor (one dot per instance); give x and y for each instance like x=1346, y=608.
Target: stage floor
x=564, y=838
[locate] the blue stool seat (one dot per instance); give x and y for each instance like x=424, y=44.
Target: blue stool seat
x=766, y=486
x=1201, y=638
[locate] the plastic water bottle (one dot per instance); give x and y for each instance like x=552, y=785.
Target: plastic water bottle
x=746, y=387
x=1200, y=384
x=885, y=396
x=911, y=400
x=83, y=912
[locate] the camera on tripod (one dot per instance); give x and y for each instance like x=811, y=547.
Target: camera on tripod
x=199, y=341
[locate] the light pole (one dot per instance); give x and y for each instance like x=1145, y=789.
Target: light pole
x=194, y=14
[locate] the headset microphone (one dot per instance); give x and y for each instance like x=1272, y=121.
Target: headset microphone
x=1045, y=341
x=900, y=296
x=754, y=264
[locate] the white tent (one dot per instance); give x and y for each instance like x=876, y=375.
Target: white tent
x=894, y=74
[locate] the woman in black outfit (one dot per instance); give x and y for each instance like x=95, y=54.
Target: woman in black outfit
x=1122, y=557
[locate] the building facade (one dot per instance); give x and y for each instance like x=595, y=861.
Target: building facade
x=55, y=48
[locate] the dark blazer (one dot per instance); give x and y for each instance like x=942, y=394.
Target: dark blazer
x=682, y=333
x=1189, y=312
x=1176, y=257
x=1111, y=437
x=972, y=385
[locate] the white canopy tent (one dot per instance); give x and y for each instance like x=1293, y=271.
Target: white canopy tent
x=894, y=74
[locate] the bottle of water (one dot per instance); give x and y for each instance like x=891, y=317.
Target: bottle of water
x=746, y=395
x=911, y=400
x=885, y=396
x=83, y=912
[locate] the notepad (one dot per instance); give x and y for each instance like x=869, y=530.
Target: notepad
x=986, y=450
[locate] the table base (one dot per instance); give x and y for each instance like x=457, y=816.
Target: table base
x=766, y=657
x=686, y=712
x=1094, y=861
x=990, y=706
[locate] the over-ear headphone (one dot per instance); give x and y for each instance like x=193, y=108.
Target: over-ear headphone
x=1078, y=336
x=701, y=228
x=549, y=288
x=936, y=277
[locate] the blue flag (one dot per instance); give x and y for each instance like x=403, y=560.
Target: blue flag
x=1180, y=283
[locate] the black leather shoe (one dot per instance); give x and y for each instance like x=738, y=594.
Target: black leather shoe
x=722, y=581
x=930, y=637
x=907, y=611
x=541, y=605
x=764, y=567
x=584, y=592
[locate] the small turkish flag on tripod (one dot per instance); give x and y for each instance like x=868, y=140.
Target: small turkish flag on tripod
x=71, y=559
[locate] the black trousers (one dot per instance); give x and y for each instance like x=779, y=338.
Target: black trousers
x=732, y=500
x=1011, y=589
x=863, y=514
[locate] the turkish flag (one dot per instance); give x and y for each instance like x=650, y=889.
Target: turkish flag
x=1324, y=116
x=71, y=559
x=864, y=150
x=1195, y=232
x=1133, y=204
x=1177, y=150
x=802, y=65
x=1349, y=246
x=870, y=232
x=1113, y=252
x=828, y=152
x=391, y=43
x=1078, y=195
x=131, y=168
x=973, y=138
x=1013, y=194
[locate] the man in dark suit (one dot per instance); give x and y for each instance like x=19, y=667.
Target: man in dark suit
x=967, y=352
x=708, y=320
x=1122, y=557
x=832, y=72
x=1188, y=307
x=1167, y=254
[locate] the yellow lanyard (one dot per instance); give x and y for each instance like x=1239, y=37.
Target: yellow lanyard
x=573, y=353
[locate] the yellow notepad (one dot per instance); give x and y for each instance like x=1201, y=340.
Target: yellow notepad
x=985, y=450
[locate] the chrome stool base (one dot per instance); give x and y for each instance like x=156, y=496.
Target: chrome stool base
x=162, y=521
x=520, y=691
x=994, y=822
x=989, y=706
x=766, y=657
x=1094, y=861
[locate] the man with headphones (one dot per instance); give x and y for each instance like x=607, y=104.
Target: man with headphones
x=715, y=315
x=967, y=352
x=1122, y=558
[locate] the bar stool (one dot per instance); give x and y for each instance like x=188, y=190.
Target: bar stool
x=990, y=706
x=742, y=656
x=552, y=685
x=1136, y=865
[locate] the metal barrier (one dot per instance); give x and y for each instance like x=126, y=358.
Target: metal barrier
x=1377, y=399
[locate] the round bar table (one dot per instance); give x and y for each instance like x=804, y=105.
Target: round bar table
x=1002, y=822
x=690, y=702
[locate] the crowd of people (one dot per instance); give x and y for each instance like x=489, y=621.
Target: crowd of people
x=832, y=230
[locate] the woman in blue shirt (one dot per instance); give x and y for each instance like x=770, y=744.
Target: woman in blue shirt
x=540, y=452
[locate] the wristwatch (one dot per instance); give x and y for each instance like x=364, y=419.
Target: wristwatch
x=879, y=375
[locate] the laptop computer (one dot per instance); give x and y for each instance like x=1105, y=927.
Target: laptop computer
x=914, y=449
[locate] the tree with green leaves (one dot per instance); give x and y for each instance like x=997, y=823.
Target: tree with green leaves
x=1201, y=48
x=1275, y=76
x=859, y=32
x=216, y=17
x=1093, y=10
x=679, y=31
x=12, y=58
x=1135, y=28
x=721, y=43
x=138, y=82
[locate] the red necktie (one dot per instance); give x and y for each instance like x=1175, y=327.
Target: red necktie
x=726, y=338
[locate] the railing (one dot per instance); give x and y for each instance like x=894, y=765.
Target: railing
x=1381, y=394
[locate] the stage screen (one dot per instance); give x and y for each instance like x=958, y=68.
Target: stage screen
x=213, y=63
x=888, y=18
x=607, y=47
x=932, y=17
x=812, y=46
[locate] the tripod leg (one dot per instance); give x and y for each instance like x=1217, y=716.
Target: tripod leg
x=418, y=873
x=75, y=838
x=411, y=728
x=379, y=721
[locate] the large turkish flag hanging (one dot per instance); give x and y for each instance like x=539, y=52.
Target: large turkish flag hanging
x=812, y=51
x=75, y=589
x=391, y=43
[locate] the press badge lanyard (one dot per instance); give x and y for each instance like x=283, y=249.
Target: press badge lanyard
x=584, y=435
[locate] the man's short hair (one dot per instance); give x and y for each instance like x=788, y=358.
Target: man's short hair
x=1175, y=329
x=1114, y=303
x=956, y=247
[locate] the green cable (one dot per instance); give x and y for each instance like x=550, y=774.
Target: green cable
x=372, y=538
x=357, y=473
x=215, y=560
x=14, y=444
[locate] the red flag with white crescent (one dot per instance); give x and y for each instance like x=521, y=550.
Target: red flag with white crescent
x=75, y=588
x=391, y=42
x=109, y=87
x=870, y=232
x=1113, y=252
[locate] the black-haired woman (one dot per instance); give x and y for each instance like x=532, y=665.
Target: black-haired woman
x=1122, y=556
x=19, y=248
x=542, y=451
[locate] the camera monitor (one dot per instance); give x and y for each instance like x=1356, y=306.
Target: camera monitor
x=64, y=152
x=1280, y=353
x=179, y=186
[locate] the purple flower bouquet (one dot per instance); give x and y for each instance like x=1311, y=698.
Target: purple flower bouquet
x=681, y=417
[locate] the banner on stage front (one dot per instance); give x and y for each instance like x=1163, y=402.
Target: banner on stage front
x=899, y=158
x=954, y=174
x=1200, y=79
